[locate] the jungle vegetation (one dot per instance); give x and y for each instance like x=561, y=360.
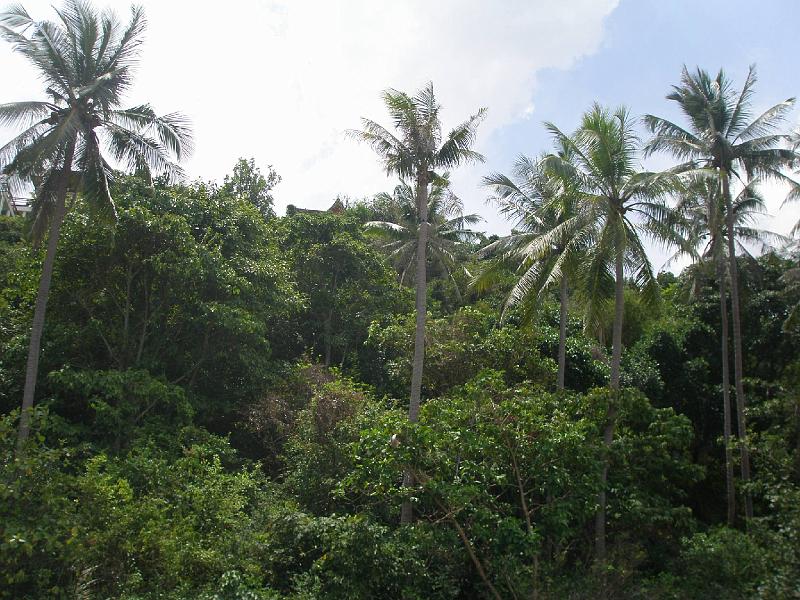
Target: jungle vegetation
x=202, y=399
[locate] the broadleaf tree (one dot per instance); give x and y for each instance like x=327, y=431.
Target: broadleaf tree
x=247, y=182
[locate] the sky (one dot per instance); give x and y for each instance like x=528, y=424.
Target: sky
x=282, y=82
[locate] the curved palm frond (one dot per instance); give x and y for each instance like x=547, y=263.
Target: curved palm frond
x=86, y=60
x=457, y=146
x=24, y=114
x=448, y=231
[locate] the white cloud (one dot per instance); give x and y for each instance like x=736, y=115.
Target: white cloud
x=528, y=111
x=282, y=81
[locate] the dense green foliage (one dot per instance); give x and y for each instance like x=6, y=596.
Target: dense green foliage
x=222, y=402
x=184, y=447
x=344, y=279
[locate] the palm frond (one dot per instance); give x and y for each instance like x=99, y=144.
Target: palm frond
x=173, y=130
x=24, y=114
x=385, y=226
x=141, y=153
x=457, y=146
x=96, y=177
x=767, y=122
x=741, y=111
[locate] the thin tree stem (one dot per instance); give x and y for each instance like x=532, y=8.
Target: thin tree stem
x=611, y=415
x=726, y=395
x=562, y=333
x=406, y=510
x=40, y=310
x=619, y=310
x=471, y=551
x=741, y=402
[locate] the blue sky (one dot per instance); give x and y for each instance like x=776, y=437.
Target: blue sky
x=646, y=42
x=282, y=80
x=644, y=45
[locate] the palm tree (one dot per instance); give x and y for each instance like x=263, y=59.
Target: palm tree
x=447, y=232
x=86, y=61
x=538, y=202
x=700, y=216
x=415, y=153
x=722, y=138
x=617, y=205
x=794, y=185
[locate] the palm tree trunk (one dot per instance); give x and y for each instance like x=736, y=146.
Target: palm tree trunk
x=406, y=510
x=741, y=402
x=40, y=309
x=619, y=311
x=562, y=333
x=611, y=415
x=726, y=394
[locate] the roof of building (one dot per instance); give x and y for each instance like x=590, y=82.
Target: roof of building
x=336, y=208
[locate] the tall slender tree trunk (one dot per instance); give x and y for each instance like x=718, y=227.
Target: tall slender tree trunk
x=406, y=510
x=619, y=311
x=611, y=415
x=741, y=403
x=726, y=393
x=562, y=332
x=40, y=309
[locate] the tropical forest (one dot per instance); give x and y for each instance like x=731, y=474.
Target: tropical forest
x=208, y=394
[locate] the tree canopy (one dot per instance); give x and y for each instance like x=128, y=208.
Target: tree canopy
x=236, y=404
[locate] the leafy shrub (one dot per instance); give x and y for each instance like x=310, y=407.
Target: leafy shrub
x=142, y=523
x=341, y=557
x=722, y=563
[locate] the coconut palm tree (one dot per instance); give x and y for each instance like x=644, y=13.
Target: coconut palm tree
x=723, y=137
x=794, y=187
x=415, y=153
x=85, y=60
x=537, y=202
x=617, y=206
x=701, y=219
x=448, y=229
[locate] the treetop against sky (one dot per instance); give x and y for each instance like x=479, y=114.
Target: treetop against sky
x=283, y=81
